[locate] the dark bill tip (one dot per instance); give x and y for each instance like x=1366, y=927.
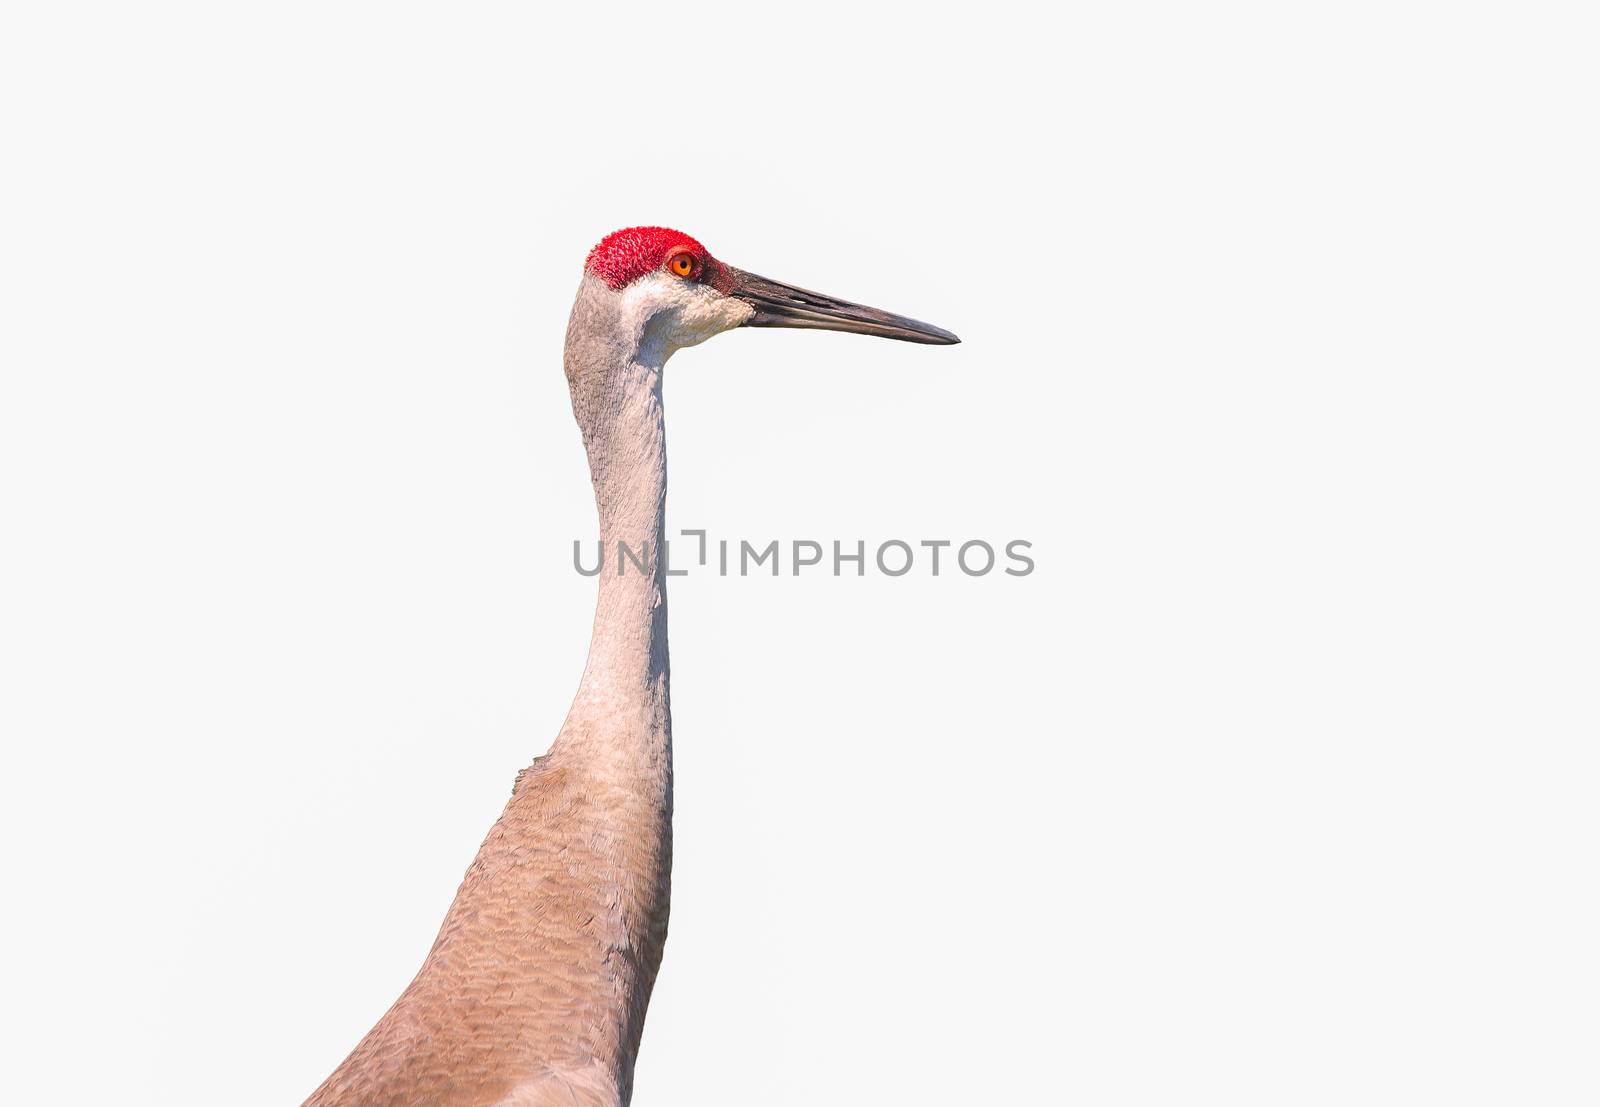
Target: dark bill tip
x=783, y=305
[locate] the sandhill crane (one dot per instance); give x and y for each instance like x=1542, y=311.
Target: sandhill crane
x=535, y=990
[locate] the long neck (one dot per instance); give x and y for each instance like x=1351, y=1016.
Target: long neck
x=621, y=712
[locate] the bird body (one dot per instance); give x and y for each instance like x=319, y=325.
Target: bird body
x=535, y=990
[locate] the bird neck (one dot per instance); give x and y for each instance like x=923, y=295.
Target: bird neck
x=621, y=714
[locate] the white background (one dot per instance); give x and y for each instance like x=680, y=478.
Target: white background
x=1274, y=784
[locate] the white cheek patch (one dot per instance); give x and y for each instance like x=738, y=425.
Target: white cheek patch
x=677, y=313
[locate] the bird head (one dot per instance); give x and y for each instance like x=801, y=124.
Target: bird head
x=673, y=293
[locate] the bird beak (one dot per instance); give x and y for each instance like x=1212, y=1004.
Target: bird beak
x=783, y=305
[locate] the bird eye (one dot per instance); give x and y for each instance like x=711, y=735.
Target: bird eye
x=682, y=265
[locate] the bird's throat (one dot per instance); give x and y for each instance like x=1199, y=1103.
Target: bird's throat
x=621, y=712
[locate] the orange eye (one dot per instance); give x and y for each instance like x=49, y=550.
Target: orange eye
x=682, y=265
